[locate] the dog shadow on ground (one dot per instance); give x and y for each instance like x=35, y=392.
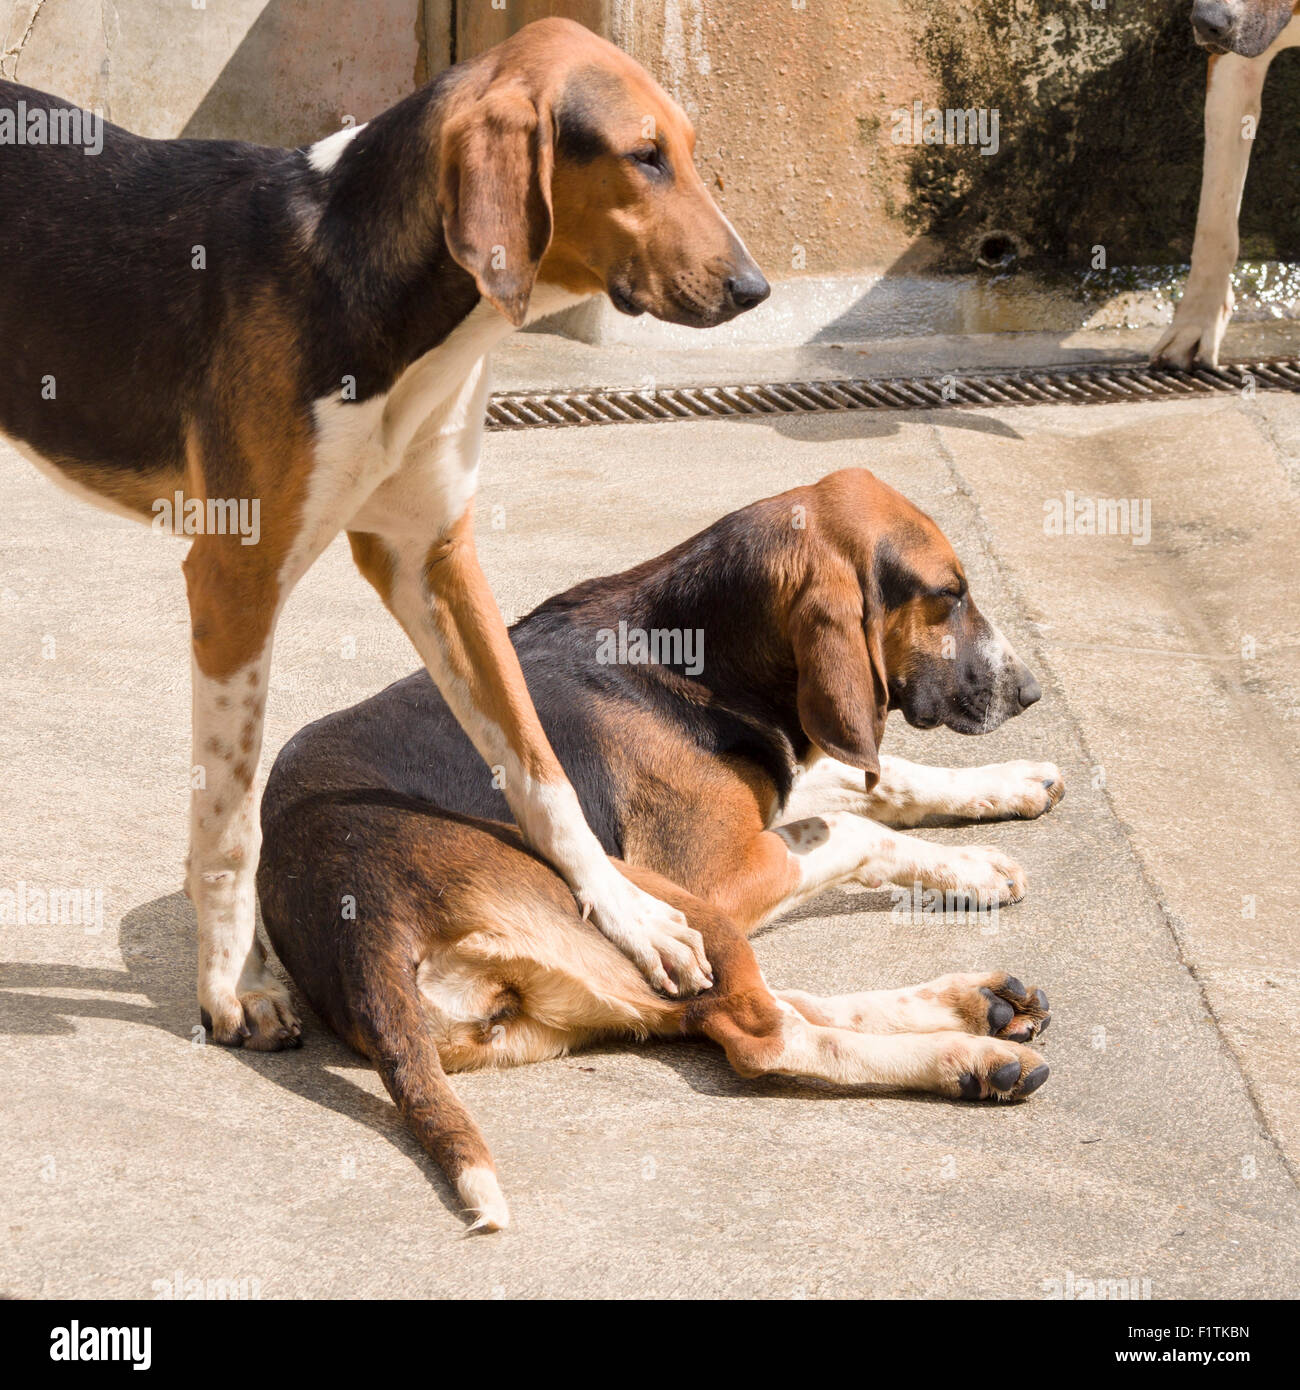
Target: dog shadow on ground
x=875, y=424
x=155, y=988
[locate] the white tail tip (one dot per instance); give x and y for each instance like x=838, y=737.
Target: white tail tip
x=481, y=1193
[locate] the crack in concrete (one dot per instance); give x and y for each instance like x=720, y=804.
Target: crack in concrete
x=9, y=58
x=106, y=67
x=1174, y=924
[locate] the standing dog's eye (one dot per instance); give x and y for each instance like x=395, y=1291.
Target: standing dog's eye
x=649, y=157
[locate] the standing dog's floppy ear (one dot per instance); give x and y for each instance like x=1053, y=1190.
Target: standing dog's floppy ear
x=843, y=694
x=494, y=192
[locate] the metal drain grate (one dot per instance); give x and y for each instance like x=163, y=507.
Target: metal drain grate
x=1095, y=384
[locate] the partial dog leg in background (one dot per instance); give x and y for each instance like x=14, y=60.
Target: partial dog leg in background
x=906, y=793
x=1232, y=106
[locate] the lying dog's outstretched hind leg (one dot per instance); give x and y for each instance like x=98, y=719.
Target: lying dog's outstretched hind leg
x=394, y=1029
x=762, y=1033
x=995, y=1004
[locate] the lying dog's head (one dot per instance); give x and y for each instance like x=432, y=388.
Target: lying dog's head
x=1247, y=27
x=564, y=162
x=882, y=617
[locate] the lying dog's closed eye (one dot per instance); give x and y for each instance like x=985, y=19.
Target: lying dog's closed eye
x=733, y=795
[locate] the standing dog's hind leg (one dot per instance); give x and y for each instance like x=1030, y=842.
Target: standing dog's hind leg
x=232, y=612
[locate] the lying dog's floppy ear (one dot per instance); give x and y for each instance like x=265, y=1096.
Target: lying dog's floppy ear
x=842, y=692
x=494, y=192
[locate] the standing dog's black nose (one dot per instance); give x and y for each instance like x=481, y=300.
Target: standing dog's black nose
x=1213, y=22
x=747, y=289
x=1030, y=691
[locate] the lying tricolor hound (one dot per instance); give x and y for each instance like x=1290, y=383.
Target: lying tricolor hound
x=1243, y=37
x=306, y=330
x=734, y=785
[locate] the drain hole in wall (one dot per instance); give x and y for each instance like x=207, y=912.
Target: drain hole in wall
x=998, y=251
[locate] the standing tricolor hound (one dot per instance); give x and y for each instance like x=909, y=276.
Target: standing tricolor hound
x=307, y=329
x=736, y=783
x=1243, y=37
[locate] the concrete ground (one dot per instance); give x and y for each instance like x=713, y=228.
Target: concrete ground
x=1163, y=896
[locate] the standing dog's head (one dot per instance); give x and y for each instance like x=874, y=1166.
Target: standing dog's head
x=882, y=617
x=562, y=161
x=1247, y=27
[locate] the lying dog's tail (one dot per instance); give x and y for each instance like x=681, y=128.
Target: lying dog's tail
x=393, y=1028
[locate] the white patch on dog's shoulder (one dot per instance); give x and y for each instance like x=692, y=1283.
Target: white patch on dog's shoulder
x=325, y=154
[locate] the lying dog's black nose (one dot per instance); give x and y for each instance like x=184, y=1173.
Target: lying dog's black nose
x=1030, y=691
x=1213, y=21
x=747, y=289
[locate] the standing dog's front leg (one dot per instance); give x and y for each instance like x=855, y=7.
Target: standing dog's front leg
x=1232, y=103
x=441, y=597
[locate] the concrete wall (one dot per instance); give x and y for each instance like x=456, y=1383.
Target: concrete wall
x=276, y=71
x=796, y=102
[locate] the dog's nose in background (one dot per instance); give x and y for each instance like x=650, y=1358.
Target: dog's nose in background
x=747, y=288
x=1030, y=692
x=1213, y=22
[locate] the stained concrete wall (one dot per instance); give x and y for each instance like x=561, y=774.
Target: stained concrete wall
x=275, y=71
x=796, y=105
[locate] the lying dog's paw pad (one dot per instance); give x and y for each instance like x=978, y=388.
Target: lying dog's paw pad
x=988, y=1073
x=1006, y=1076
x=1035, y=1079
x=1013, y=1011
x=1000, y=1011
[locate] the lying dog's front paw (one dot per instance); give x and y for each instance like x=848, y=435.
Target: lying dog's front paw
x=668, y=951
x=980, y=875
x=1023, y=789
x=1194, y=337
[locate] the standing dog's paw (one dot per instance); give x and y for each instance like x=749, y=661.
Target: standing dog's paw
x=261, y=1019
x=668, y=951
x=1194, y=337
